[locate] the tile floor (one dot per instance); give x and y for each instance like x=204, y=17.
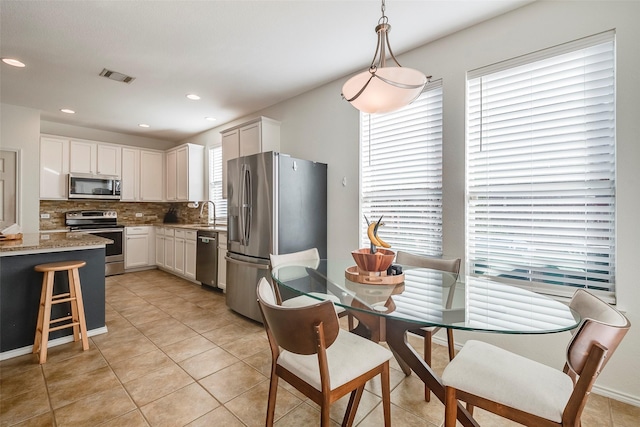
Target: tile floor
x=175, y=355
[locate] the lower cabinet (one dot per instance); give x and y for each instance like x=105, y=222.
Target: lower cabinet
x=176, y=251
x=139, y=247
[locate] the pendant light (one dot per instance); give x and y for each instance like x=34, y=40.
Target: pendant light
x=383, y=89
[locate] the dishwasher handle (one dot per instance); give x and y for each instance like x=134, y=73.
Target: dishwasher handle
x=208, y=239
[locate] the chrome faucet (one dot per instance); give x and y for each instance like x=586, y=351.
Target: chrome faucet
x=214, y=211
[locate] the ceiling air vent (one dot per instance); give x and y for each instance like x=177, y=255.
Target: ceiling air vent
x=114, y=75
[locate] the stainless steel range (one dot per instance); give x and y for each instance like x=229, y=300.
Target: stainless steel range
x=103, y=224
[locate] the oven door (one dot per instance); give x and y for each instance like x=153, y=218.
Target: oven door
x=114, y=252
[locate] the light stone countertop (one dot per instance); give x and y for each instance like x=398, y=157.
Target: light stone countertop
x=32, y=243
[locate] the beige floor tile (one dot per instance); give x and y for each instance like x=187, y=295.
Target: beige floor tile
x=157, y=384
x=301, y=415
x=180, y=407
x=226, y=335
x=261, y=361
x=141, y=365
x=220, y=416
x=399, y=417
x=18, y=364
x=251, y=406
x=20, y=407
x=42, y=420
x=248, y=345
x=624, y=415
x=95, y=409
x=127, y=348
x=24, y=381
x=130, y=419
x=409, y=395
x=85, y=361
x=172, y=334
x=207, y=363
x=75, y=387
x=338, y=409
x=232, y=381
x=186, y=348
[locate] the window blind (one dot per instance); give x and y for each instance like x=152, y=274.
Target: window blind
x=541, y=169
x=401, y=173
x=215, y=181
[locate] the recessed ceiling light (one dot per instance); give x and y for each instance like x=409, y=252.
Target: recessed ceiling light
x=193, y=97
x=13, y=62
x=67, y=111
x=211, y=119
x=143, y=125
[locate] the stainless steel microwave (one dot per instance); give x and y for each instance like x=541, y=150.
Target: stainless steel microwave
x=94, y=187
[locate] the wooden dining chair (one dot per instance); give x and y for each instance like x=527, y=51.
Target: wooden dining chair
x=309, y=258
x=529, y=392
x=311, y=352
x=451, y=265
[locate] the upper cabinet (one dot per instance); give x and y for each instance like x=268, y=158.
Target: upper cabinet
x=95, y=159
x=54, y=167
x=185, y=173
x=142, y=175
x=256, y=136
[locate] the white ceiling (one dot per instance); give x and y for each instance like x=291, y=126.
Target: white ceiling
x=239, y=56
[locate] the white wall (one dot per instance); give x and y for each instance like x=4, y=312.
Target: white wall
x=20, y=130
x=320, y=126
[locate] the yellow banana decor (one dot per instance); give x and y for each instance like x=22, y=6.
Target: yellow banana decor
x=372, y=233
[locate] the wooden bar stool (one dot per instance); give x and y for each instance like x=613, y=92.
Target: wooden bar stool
x=47, y=299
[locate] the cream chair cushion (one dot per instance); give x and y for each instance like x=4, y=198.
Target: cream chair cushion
x=510, y=379
x=348, y=357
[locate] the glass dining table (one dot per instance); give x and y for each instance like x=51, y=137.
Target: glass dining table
x=387, y=307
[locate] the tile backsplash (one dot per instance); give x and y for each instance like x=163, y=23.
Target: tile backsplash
x=152, y=213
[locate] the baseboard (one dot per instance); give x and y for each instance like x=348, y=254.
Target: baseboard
x=58, y=341
x=600, y=391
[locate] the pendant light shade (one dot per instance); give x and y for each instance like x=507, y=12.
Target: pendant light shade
x=383, y=89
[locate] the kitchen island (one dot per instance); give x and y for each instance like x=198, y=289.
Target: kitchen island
x=20, y=285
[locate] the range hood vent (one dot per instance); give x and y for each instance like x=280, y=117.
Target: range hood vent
x=114, y=75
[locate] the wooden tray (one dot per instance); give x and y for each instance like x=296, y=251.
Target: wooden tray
x=354, y=274
x=5, y=237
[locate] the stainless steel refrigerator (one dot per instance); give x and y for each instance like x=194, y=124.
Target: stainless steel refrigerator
x=276, y=204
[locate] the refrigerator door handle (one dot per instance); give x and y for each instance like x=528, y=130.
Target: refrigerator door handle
x=246, y=205
x=242, y=205
x=247, y=264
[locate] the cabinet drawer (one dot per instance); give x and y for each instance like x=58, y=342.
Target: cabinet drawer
x=191, y=235
x=136, y=230
x=180, y=233
x=169, y=232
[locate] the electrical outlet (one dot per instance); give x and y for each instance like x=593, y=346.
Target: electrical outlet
x=45, y=216
x=138, y=214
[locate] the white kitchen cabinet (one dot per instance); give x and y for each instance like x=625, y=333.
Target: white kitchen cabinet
x=96, y=159
x=151, y=176
x=179, y=251
x=169, y=249
x=160, y=247
x=141, y=178
x=185, y=173
x=130, y=178
x=222, y=262
x=139, y=250
x=185, y=253
x=257, y=136
x=190, y=255
x=54, y=168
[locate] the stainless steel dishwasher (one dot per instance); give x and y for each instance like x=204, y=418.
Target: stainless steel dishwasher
x=207, y=258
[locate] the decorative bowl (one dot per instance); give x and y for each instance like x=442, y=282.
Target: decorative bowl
x=366, y=261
